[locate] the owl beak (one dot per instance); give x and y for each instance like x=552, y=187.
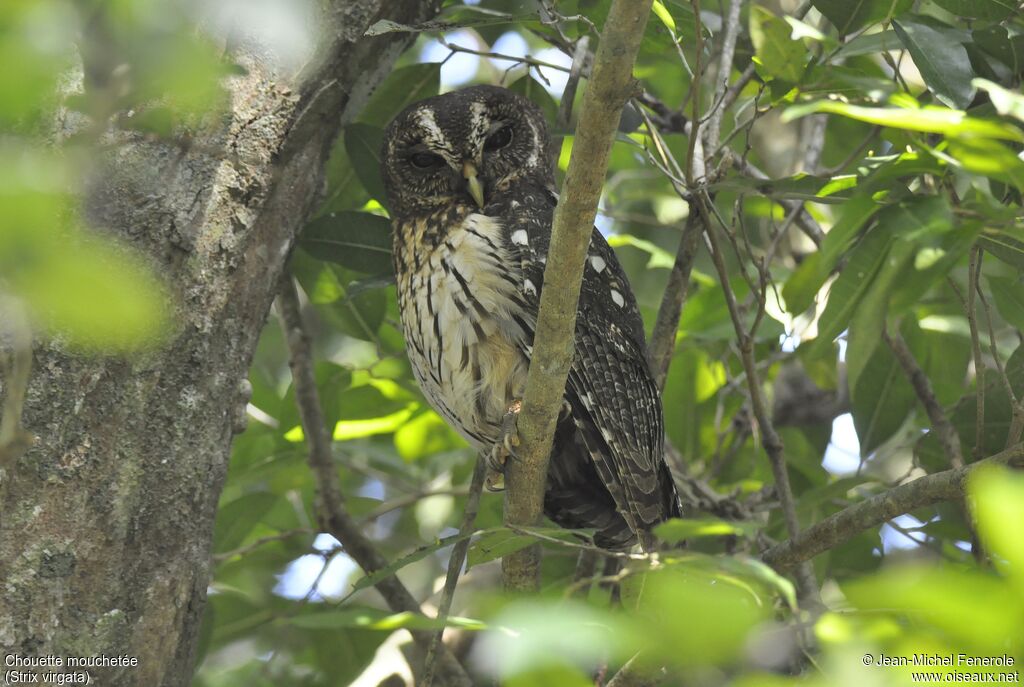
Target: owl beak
x=476, y=189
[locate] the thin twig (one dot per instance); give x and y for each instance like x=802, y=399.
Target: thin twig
x=770, y=439
x=663, y=338
x=333, y=515
x=873, y=512
x=943, y=428
x=1017, y=408
x=692, y=163
x=732, y=22
x=610, y=86
x=564, y=118
x=973, y=272
x=455, y=561
x=248, y=548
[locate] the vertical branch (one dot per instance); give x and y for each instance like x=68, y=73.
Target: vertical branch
x=334, y=517
x=611, y=84
x=770, y=439
x=694, y=152
x=973, y=274
x=732, y=22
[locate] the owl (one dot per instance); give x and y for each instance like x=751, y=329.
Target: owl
x=471, y=192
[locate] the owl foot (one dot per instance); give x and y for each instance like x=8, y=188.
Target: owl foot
x=503, y=449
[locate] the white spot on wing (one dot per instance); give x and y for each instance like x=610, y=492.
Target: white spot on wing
x=598, y=263
x=529, y=288
x=617, y=297
x=607, y=436
x=520, y=238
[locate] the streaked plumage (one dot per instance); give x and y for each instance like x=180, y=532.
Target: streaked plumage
x=471, y=232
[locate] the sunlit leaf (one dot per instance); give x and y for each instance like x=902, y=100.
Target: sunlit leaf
x=778, y=55
x=929, y=119
x=376, y=619
x=678, y=529
x=997, y=501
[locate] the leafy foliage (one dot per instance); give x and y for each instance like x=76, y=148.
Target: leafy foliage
x=867, y=184
x=914, y=176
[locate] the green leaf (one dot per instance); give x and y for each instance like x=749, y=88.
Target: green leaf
x=805, y=282
x=849, y=15
x=1004, y=246
x=408, y=559
x=866, y=259
x=356, y=240
x=98, y=295
x=496, y=544
x=659, y=257
x=881, y=400
x=502, y=541
x=997, y=501
x=361, y=315
x=679, y=529
x=989, y=10
x=344, y=192
x=236, y=519
x=664, y=15
x=929, y=119
x=363, y=144
x=944, y=63
x=376, y=619
x=533, y=90
x=868, y=44
x=868, y=321
x=1005, y=44
x=671, y=598
x=1005, y=101
x=776, y=54
x=972, y=609
x=400, y=89
x=931, y=264
x=1009, y=296
x=990, y=158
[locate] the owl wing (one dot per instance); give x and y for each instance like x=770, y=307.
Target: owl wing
x=614, y=400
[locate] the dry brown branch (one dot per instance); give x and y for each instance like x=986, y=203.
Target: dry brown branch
x=333, y=515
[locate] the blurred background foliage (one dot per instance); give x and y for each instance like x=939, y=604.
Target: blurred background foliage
x=896, y=125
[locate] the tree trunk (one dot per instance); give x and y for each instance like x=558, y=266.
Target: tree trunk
x=106, y=524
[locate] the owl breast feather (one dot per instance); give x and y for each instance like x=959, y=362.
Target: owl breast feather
x=464, y=320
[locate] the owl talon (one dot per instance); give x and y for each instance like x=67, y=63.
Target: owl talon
x=503, y=449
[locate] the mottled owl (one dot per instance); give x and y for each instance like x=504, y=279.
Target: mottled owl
x=471, y=192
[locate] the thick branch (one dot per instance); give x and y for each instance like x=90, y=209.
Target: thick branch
x=872, y=512
x=611, y=84
x=333, y=515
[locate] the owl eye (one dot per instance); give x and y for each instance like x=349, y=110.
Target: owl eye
x=426, y=160
x=499, y=139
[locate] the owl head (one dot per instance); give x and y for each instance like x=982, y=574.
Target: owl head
x=462, y=148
